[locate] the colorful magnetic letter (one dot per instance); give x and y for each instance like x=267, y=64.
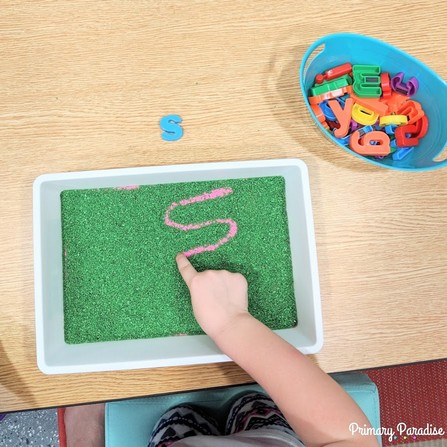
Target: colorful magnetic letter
x=367, y=80
x=330, y=95
x=395, y=101
x=331, y=85
x=374, y=104
x=390, y=129
x=327, y=111
x=385, y=85
x=402, y=153
x=421, y=127
x=319, y=114
x=170, y=124
x=333, y=125
x=408, y=88
x=343, y=116
x=412, y=109
x=372, y=143
x=364, y=130
x=363, y=115
x=410, y=134
x=354, y=125
x=399, y=120
x=333, y=73
x=404, y=135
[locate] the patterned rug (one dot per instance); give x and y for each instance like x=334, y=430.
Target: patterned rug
x=413, y=403
x=437, y=443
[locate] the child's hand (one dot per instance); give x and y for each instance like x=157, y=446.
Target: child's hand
x=218, y=297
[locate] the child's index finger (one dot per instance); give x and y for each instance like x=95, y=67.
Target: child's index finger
x=185, y=268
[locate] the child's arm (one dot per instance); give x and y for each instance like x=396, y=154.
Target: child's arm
x=316, y=407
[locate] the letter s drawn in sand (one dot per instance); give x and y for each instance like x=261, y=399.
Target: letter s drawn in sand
x=214, y=194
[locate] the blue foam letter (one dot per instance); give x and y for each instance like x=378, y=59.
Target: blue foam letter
x=171, y=127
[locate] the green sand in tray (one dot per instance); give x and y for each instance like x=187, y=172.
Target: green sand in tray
x=120, y=277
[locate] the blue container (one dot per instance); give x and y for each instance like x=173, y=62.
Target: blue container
x=336, y=49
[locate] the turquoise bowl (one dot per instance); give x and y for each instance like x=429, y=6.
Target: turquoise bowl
x=337, y=49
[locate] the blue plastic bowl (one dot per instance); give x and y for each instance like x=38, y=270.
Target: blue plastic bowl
x=336, y=49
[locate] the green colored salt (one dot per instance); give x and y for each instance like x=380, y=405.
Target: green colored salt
x=120, y=276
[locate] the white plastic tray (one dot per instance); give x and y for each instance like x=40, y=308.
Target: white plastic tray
x=54, y=356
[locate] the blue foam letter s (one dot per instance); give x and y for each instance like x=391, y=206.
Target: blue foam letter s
x=170, y=124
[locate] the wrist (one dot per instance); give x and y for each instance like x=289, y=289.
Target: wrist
x=236, y=327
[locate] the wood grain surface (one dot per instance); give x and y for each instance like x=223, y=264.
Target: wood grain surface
x=83, y=86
